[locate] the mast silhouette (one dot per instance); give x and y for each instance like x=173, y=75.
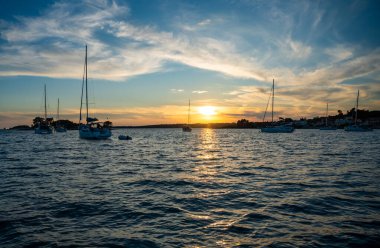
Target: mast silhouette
x=58, y=110
x=357, y=106
x=86, y=88
x=45, y=102
x=327, y=112
x=188, y=114
x=272, y=98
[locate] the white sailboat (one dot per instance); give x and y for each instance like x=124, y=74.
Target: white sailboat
x=92, y=128
x=356, y=127
x=59, y=127
x=272, y=128
x=327, y=127
x=187, y=128
x=44, y=125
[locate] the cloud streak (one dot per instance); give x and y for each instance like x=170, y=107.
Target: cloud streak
x=52, y=45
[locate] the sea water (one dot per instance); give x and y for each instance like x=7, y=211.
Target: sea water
x=207, y=188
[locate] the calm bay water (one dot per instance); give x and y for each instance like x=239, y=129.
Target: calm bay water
x=208, y=188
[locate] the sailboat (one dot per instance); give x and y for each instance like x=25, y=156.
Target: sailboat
x=59, y=127
x=276, y=128
x=92, y=128
x=326, y=127
x=356, y=127
x=187, y=128
x=44, y=125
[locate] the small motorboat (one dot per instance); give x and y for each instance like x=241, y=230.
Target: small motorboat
x=125, y=137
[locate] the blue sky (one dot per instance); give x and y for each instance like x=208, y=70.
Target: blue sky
x=147, y=58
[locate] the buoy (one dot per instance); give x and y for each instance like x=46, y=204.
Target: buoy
x=124, y=137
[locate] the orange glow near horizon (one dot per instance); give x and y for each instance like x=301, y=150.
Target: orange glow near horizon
x=207, y=112
x=136, y=116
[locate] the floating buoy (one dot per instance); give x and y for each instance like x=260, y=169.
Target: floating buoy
x=124, y=137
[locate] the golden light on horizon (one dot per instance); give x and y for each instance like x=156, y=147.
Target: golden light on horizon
x=207, y=111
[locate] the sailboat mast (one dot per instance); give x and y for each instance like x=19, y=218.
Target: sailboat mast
x=272, y=98
x=188, y=114
x=58, y=110
x=81, y=96
x=86, y=87
x=357, y=106
x=45, y=102
x=327, y=112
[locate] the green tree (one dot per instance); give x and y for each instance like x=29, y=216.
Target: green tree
x=37, y=120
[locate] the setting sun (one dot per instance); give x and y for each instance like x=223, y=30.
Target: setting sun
x=207, y=110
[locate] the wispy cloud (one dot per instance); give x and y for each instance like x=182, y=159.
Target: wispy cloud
x=199, y=91
x=339, y=53
x=52, y=45
x=177, y=90
x=294, y=49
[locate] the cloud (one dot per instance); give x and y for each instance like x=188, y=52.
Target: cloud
x=176, y=90
x=204, y=22
x=293, y=49
x=199, y=91
x=52, y=45
x=339, y=53
x=350, y=68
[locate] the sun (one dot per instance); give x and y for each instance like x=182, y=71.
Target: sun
x=207, y=111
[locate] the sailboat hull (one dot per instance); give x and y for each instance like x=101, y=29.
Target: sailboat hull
x=356, y=128
x=186, y=129
x=44, y=130
x=278, y=129
x=327, y=128
x=86, y=132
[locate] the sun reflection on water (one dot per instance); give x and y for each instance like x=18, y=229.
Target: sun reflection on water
x=208, y=144
x=207, y=153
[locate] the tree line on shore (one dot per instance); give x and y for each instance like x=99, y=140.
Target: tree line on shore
x=371, y=118
x=69, y=125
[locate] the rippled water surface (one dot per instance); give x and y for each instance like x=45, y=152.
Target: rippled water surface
x=208, y=188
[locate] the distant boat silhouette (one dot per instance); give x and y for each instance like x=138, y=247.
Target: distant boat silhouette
x=44, y=125
x=92, y=129
x=327, y=127
x=272, y=128
x=356, y=127
x=59, y=127
x=124, y=137
x=187, y=128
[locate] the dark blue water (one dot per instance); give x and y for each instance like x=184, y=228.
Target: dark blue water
x=208, y=188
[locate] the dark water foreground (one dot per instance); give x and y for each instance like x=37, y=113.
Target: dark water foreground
x=208, y=188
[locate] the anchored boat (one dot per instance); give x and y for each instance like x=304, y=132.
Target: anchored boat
x=92, y=128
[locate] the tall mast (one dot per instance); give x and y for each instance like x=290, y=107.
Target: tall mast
x=81, y=96
x=58, y=110
x=86, y=88
x=272, y=98
x=327, y=112
x=188, y=114
x=357, y=106
x=45, y=102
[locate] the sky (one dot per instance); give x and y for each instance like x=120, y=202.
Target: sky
x=148, y=58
